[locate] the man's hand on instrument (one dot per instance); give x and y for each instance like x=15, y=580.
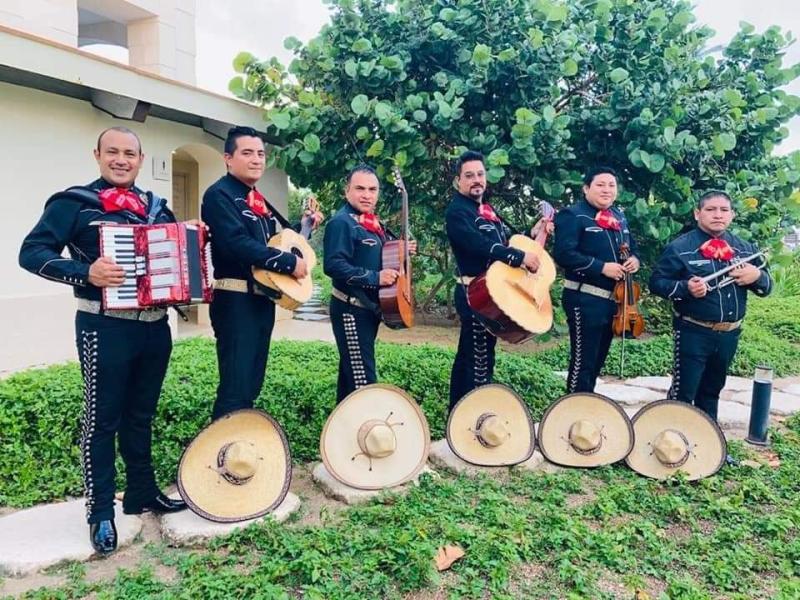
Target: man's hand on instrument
x=531, y=262
x=614, y=271
x=315, y=217
x=199, y=223
x=300, y=269
x=548, y=224
x=412, y=247
x=631, y=265
x=697, y=287
x=387, y=277
x=104, y=272
x=745, y=274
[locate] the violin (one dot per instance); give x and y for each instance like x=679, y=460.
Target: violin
x=628, y=322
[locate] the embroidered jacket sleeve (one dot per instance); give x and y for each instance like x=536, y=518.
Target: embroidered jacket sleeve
x=566, y=247
x=466, y=238
x=42, y=247
x=234, y=242
x=338, y=253
x=670, y=278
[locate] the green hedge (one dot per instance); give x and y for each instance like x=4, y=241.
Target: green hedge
x=40, y=409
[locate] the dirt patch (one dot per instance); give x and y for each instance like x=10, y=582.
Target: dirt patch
x=315, y=507
x=447, y=337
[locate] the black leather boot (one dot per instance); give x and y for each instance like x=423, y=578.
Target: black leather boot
x=160, y=504
x=103, y=536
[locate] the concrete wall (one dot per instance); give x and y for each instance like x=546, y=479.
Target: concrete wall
x=46, y=141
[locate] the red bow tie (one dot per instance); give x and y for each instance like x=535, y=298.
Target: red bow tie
x=486, y=211
x=606, y=219
x=716, y=249
x=371, y=223
x=258, y=203
x=117, y=199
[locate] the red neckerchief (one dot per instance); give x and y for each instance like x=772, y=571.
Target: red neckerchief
x=371, y=223
x=717, y=249
x=486, y=211
x=116, y=199
x=606, y=219
x=258, y=203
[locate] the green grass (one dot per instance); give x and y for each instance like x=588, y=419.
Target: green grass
x=586, y=533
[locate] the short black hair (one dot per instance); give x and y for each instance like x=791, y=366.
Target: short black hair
x=468, y=156
x=234, y=133
x=588, y=178
x=120, y=129
x=360, y=168
x=712, y=194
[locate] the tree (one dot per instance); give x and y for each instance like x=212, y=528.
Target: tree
x=544, y=88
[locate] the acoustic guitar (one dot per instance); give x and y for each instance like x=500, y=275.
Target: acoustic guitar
x=397, y=300
x=293, y=292
x=511, y=302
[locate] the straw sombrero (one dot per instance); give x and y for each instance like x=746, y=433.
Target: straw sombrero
x=675, y=436
x=491, y=427
x=585, y=430
x=237, y=468
x=376, y=438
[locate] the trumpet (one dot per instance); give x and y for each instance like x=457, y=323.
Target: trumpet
x=726, y=281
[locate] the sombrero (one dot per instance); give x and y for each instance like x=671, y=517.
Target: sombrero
x=237, y=468
x=376, y=438
x=675, y=436
x=585, y=430
x=491, y=427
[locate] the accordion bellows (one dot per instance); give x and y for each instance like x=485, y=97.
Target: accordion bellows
x=165, y=264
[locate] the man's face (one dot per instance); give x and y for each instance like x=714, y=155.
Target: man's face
x=715, y=215
x=119, y=158
x=602, y=191
x=248, y=159
x=471, y=181
x=362, y=191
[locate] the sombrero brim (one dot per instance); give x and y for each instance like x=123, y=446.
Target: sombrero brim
x=342, y=455
x=210, y=495
x=508, y=406
x=606, y=414
x=709, y=447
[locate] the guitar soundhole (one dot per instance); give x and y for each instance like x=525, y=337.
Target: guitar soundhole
x=297, y=252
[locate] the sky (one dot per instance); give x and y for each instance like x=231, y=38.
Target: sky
x=274, y=20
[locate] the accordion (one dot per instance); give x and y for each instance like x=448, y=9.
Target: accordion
x=165, y=264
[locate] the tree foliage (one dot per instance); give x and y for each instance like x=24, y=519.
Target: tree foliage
x=544, y=88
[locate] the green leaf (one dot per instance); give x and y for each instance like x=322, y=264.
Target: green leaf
x=361, y=46
x=280, y=119
x=549, y=113
x=498, y=157
x=728, y=141
x=669, y=134
x=401, y=158
x=655, y=163
x=733, y=97
x=495, y=174
x=351, y=68
x=362, y=133
x=618, y=75
x=383, y=111
x=569, y=68
x=557, y=12
x=535, y=37
x=292, y=43
x=241, y=61
x=305, y=157
x=481, y=55
x=447, y=14
x=236, y=86
x=311, y=143
x=420, y=116
x=393, y=63
x=359, y=104
x=376, y=148
x=507, y=55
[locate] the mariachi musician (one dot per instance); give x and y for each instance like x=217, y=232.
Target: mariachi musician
x=242, y=315
x=708, y=316
x=478, y=237
x=352, y=258
x=589, y=238
x=123, y=353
